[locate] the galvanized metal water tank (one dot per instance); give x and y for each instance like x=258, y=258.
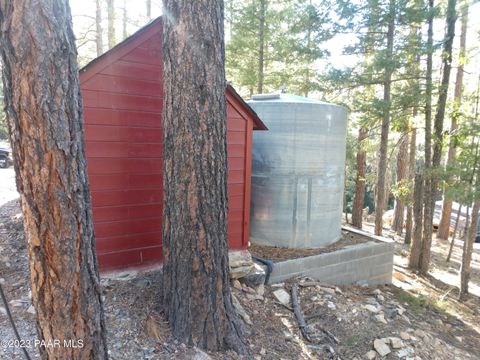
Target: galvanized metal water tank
x=297, y=172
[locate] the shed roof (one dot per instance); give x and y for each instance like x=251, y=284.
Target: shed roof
x=134, y=40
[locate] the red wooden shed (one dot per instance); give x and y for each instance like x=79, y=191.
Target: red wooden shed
x=122, y=99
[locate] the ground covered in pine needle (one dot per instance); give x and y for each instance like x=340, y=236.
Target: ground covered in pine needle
x=415, y=318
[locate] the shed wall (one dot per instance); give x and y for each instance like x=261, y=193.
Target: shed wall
x=122, y=110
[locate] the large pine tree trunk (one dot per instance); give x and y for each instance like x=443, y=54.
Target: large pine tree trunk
x=411, y=169
x=44, y=113
x=465, y=270
x=398, y=214
x=98, y=28
x=197, y=299
x=382, y=162
x=111, y=23
x=438, y=132
x=414, y=259
x=358, y=200
x=444, y=226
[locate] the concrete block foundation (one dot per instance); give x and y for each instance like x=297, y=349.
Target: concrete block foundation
x=366, y=263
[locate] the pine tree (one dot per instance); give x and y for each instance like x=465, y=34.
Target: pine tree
x=451, y=18
x=444, y=226
x=111, y=23
x=98, y=28
x=196, y=290
x=44, y=113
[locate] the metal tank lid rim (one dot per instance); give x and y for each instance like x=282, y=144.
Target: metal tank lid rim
x=287, y=98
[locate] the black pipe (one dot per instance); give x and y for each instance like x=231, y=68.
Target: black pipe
x=268, y=263
x=9, y=314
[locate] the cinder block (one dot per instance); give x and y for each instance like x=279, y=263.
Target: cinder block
x=371, y=262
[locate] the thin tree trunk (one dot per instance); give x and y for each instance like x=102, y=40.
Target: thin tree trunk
x=415, y=85
x=345, y=211
x=261, y=45
x=438, y=131
x=124, y=19
x=467, y=220
x=411, y=170
x=196, y=292
x=427, y=195
x=444, y=226
x=465, y=270
x=398, y=214
x=111, y=23
x=414, y=259
x=382, y=163
x=309, y=44
x=358, y=200
x=149, y=9
x=457, y=221
x=45, y=119
x=98, y=28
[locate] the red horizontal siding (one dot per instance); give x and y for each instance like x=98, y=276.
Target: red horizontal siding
x=235, y=189
x=122, y=149
x=235, y=150
x=151, y=255
x=236, y=177
x=144, y=56
x=119, y=260
x=236, y=137
x=111, y=100
x=127, y=227
x=126, y=182
x=128, y=242
x=125, y=212
x=235, y=124
x=123, y=133
x=135, y=118
x=124, y=166
x=235, y=202
x=126, y=197
x=123, y=85
x=134, y=70
x=236, y=163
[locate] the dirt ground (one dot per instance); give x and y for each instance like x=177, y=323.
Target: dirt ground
x=416, y=317
x=280, y=253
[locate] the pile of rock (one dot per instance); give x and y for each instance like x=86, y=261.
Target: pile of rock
x=244, y=269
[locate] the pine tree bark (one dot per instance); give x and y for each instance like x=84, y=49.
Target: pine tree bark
x=98, y=28
x=382, y=162
x=111, y=23
x=427, y=196
x=196, y=292
x=444, y=226
x=414, y=258
x=44, y=114
x=261, y=45
x=438, y=134
x=358, y=200
x=415, y=85
x=399, y=211
x=452, y=243
x=465, y=270
x=411, y=175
